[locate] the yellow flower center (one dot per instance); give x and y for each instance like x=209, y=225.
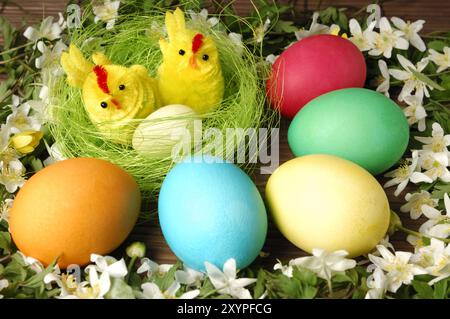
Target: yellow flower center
x=402, y=171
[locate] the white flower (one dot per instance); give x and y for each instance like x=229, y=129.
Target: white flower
x=108, y=12
x=286, y=270
x=96, y=288
x=151, y=291
x=412, y=83
x=386, y=243
x=438, y=142
x=236, y=39
x=415, y=112
x=325, y=264
x=49, y=60
x=441, y=60
x=152, y=268
x=435, y=165
x=12, y=175
x=436, y=219
x=398, y=267
x=106, y=264
x=55, y=154
x=3, y=284
x=383, y=87
x=20, y=120
x=411, y=31
x=271, y=58
x=415, y=241
x=189, y=277
x=435, y=259
x=5, y=207
x=66, y=282
x=415, y=201
x=202, y=18
x=362, y=39
x=315, y=28
x=385, y=41
x=34, y=264
x=377, y=283
x=226, y=283
x=260, y=31
x=39, y=106
x=405, y=173
x=48, y=29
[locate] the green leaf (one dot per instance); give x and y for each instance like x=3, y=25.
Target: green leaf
x=424, y=291
x=285, y=26
x=38, y=279
x=119, y=290
x=359, y=293
x=15, y=272
x=305, y=276
x=440, y=289
x=167, y=279
x=437, y=45
x=309, y=292
x=5, y=242
x=426, y=79
x=8, y=33
x=260, y=286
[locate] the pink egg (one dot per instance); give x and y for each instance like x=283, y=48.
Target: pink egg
x=311, y=67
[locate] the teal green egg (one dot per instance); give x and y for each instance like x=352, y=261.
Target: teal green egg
x=360, y=125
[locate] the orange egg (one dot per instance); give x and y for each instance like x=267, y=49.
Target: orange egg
x=74, y=208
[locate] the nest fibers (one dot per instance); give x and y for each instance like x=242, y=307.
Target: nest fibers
x=134, y=40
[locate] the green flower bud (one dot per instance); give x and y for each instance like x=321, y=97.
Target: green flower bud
x=136, y=249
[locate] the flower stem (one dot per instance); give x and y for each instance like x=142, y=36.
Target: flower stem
x=330, y=289
x=13, y=59
x=438, y=74
x=130, y=266
x=417, y=234
x=16, y=48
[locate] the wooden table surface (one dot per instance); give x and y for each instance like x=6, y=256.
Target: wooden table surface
x=436, y=14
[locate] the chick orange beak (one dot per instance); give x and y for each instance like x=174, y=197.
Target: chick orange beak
x=193, y=62
x=116, y=103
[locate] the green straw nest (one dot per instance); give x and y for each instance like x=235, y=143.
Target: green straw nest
x=134, y=40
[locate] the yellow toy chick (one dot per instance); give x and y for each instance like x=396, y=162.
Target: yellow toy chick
x=190, y=73
x=113, y=95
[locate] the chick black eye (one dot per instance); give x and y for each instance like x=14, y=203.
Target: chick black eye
x=205, y=57
x=121, y=87
x=181, y=52
x=104, y=105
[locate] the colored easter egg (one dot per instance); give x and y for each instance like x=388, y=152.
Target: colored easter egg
x=322, y=201
x=161, y=131
x=357, y=124
x=311, y=67
x=210, y=210
x=74, y=208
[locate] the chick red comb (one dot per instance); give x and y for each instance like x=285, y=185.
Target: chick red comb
x=102, y=78
x=197, y=42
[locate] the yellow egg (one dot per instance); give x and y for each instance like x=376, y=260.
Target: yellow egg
x=322, y=201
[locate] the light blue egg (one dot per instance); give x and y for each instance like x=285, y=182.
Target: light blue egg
x=210, y=210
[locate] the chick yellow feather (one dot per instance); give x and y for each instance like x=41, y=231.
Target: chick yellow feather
x=113, y=95
x=190, y=73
